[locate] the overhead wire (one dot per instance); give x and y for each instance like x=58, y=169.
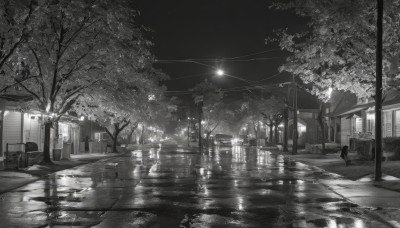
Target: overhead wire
x=214, y=60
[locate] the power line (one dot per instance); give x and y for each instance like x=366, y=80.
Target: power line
x=172, y=61
x=220, y=59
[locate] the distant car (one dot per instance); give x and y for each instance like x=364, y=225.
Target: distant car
x=241, y=140
x=223, y=140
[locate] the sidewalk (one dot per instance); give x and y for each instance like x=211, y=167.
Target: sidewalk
x=11, y=179
x=356, y=183
x=362, y=171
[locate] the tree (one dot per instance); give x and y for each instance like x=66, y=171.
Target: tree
x=212, y=102
x=237, y=116
x=338, y=50
x=74, y=45
x=15, y=25
x=259, y=108
x=215, y=117
x=133, y=99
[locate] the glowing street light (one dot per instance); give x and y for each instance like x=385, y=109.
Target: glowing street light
x=220, y=72
x=329, y=92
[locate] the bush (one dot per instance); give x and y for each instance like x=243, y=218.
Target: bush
x=392, y=144
x=363, y=148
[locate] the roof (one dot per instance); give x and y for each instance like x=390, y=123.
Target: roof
x=356, y=109
x=391, y=100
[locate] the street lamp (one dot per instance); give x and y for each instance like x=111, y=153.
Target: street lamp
x=220, y=72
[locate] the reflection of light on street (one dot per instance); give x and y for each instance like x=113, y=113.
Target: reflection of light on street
x=240, y=203
x=136, y=153
x=332, y=223
x=358, y=223
x=64, y=180
x=75, y=194
x=62, y=214
x=265, y=192
x=136, y=172
x=300, y=186
x=281, y=170
x=201, y=170
x=206, y=193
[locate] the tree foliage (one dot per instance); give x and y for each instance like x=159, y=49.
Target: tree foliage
x=68, y=48
x=338, y=49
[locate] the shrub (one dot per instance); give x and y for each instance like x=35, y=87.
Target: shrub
x=392, y=144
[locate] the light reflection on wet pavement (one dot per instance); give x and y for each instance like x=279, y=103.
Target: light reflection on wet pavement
x=174, y=187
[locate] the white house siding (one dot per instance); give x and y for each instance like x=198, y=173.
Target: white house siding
x=12, y=128
x=345, y=128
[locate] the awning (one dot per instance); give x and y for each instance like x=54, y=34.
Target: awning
x=356, y=115
x=356, y=110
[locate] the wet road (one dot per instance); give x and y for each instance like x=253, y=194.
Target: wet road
x=174, y=187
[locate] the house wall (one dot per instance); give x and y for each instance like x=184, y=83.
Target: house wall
x=12, y=128
x=33, y=130
x=345, y=131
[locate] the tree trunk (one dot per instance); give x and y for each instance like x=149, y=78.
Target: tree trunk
x=285, y=129
x=115, y=141
x=321, y=124
x=46, y=148
x=130, y=135
x=142, y=136
x=208, y=139
x=271, y=132
x=276, y=133
x=117, y=130
x=255, y=132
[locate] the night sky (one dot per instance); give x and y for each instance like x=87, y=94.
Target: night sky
x=215, y=30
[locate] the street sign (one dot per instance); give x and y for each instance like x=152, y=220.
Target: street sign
x=198, y=99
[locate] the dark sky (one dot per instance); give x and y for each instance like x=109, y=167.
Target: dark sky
x=216, y=29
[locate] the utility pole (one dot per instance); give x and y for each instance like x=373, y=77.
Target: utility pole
x=199, y=101
x=295, y=131
x=285, y=128
x=188, y=132
x=200, y=112
x=378, y=94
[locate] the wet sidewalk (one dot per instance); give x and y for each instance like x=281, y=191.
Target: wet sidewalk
x=357, y=183
x=12, y=179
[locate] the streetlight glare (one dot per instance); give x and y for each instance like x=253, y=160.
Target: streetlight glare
x=329, y=92
x=220, y=72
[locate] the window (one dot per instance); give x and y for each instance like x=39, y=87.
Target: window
x=387, y=124
x=371, y=123
x=397, y=123
x=358, y=127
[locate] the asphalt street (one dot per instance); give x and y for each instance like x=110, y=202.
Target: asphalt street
x=180, y=187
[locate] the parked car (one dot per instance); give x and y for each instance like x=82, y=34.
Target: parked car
x=223, y=140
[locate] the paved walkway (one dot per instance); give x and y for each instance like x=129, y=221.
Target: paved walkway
x=11, y=179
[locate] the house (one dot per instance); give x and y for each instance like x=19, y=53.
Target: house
x=19, y=125
x=358, y=121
